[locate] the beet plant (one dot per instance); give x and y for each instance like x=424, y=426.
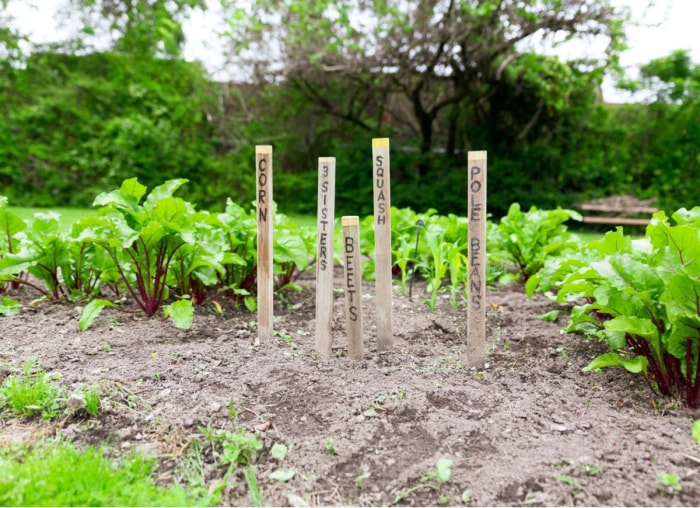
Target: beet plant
x=239, y=277
x=294, y=251
x=527, y=240
x=42, y=252
x=142, y=238
x=643, y=298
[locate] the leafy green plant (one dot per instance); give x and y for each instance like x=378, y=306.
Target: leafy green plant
x=695, y=431
x=234, y=447
x=239, y=278
x=526, y=240
x=671, y=481
x=9, y=307
x=10, y=225
x=294, y=250
x=142, y=238
x=642, y=299
x=56, y=473
x=43, y=253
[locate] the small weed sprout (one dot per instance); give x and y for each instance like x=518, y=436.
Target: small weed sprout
x=433, y=479
x=329, y=445
x=92, y=401
x=670, y=481
x=254, y=491
x=360, y=480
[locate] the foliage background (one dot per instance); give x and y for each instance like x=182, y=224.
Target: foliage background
x=74, y=122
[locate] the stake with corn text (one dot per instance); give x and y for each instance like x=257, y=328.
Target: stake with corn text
x=263, y=183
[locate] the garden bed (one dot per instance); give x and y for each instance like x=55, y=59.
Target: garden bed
x=532, y=428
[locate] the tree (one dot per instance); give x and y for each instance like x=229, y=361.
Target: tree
x=429, y=59
x=139, y=27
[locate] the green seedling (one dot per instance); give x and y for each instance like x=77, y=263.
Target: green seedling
x=670, y=481
x=360, y=480
x=279, y=451
x=329, y=445
x=433, y=479
x=376, y=405
x=282, y=475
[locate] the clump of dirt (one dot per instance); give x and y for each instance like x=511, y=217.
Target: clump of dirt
x=531, y=428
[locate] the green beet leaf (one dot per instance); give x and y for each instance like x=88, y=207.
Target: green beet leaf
x=91, y=311
x=635, y=365
x=181, y=312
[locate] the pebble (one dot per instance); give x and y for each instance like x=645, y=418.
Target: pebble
x=559, y=428
x=164, y=393
x=76, y=401
x=296, y=501
x=215, y=406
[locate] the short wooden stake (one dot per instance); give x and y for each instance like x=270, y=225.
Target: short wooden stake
x=263, y=164
x=324, y=255
x=353, y=286
x=476, y=309
x=382, y=241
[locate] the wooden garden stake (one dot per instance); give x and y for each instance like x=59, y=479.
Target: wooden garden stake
x=382, y=241
x=476, y=310
x=353, y=286
x=263, y=164
x=324, y=255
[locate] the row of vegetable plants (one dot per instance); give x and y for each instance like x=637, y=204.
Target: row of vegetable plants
x=153, y=248
x=639, y=295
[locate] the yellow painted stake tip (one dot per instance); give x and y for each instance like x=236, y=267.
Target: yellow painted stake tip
x=263, y=148
x=352, y=220
x=477, y=155
x=380, y=142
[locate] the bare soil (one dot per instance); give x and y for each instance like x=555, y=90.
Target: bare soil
x=530, y=429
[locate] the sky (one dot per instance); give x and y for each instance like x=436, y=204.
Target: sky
x=669, y=25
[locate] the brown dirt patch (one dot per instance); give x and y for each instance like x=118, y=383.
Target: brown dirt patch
x=530, y=429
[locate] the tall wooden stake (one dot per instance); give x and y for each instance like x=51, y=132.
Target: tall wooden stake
x=382, y=241
x=476, y=310
x=263, y=164
x=324, y=255
x=353, y=286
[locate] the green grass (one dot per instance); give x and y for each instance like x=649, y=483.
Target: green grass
x=30, y=393
x=56, y=473
x=308, y=221
x=68, y=215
